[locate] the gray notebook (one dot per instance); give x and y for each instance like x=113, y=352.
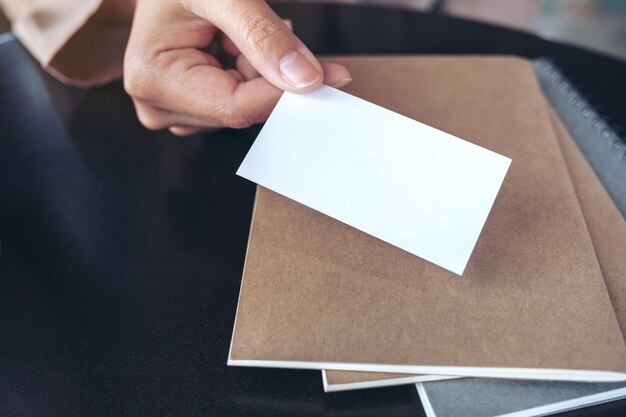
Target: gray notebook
x=472, y=397
x=604, y=149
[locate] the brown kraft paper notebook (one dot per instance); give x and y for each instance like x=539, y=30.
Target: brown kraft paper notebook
x=607, y=230
x=318, y=294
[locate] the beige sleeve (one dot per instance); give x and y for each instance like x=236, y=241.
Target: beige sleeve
x=81, y=42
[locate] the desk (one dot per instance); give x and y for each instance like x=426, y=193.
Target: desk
x=122, y=249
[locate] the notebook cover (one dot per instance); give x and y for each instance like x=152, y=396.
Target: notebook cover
x=318, y=294
x=607, y=229
x=488, y=397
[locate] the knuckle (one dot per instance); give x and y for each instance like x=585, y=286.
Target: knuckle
x=262, y=30
x=177, y=131
x=150, y=121
x=137, y=78
x=185, y=132
x=134, y=84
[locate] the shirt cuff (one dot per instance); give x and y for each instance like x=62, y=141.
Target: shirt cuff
x=69, y=43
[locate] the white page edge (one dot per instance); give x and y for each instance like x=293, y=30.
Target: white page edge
x=544, y=374
x=379, y=383
x=426, y=404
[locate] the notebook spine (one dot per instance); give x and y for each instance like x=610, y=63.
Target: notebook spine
x=549, y=71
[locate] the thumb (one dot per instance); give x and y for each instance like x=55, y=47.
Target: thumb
x=270, y=46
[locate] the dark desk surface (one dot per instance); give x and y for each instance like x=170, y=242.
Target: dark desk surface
x=122, y=249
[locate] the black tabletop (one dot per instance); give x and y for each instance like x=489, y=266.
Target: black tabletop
x=122, y=249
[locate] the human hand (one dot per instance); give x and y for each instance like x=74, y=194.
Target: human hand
x=175, y=83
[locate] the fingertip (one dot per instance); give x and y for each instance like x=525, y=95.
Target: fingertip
x=237, y=75
x=336, y=75
x=340, y=83
x=184, y=131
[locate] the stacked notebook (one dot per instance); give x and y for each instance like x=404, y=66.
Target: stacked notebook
x=539, y=299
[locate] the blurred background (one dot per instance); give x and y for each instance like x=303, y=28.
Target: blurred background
x=4, y=25
x=595, y=24
x=599, y=25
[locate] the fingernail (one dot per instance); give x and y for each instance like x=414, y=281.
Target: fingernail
x=343, y=81
x=298, y=71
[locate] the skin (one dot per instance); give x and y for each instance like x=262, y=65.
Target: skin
x=174, y=64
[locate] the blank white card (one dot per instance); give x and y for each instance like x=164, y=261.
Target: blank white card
x=406, y=183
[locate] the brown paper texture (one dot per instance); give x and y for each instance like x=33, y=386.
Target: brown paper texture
x=318, y=294
x=607, y=230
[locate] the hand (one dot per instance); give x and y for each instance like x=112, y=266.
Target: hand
x=175, y=83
